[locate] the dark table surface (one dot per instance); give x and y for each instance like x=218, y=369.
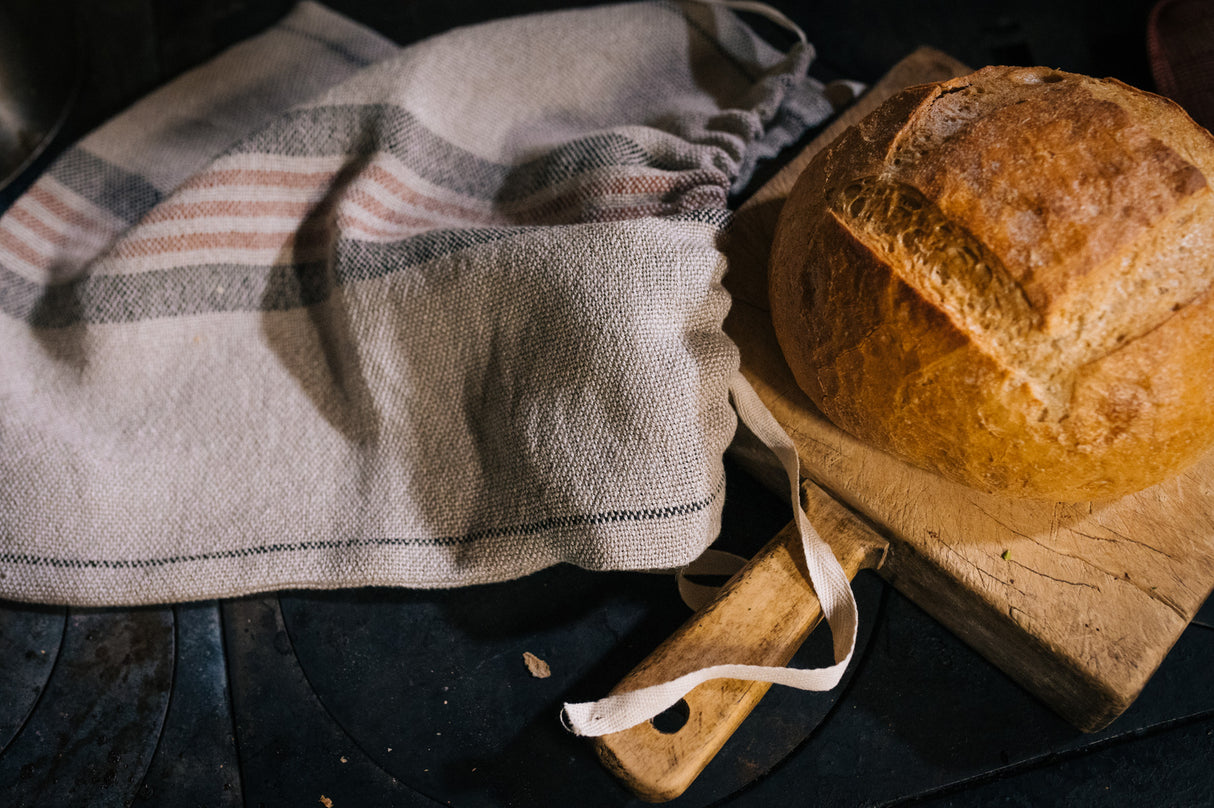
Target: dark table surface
x=378, y=697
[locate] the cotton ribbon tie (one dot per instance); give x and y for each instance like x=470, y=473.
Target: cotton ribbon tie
x=624, y=710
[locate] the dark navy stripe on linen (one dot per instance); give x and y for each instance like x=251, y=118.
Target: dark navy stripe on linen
x=213, y=288
x=124, y=194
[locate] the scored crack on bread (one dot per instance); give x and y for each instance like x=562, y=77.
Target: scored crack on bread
x=1007, y=278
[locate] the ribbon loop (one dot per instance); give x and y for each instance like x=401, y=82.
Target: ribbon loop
x=624, y=710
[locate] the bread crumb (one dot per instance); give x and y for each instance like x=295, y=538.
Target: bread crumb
x=325, y=801
x=536, y=666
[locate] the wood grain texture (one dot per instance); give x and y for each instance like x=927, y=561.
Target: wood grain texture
x=1077, y=602
x=760, y=617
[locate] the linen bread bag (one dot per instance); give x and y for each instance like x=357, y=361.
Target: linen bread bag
x=1006, y=278
x=330, y=313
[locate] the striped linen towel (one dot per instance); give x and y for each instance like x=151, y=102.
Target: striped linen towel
x=327, y=313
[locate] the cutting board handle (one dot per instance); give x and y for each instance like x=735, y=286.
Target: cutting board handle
x=760, y=617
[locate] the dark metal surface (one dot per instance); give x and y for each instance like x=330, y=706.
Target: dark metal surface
x=36, y=92
x=381, y=697
x=366, y=697
x=378, y=697
x=926, y=717
x=100, y=713
x=29, y=645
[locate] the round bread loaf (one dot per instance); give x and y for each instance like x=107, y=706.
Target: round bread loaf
x=1006, y=278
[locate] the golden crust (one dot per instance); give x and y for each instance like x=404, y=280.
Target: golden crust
x=1006, y=278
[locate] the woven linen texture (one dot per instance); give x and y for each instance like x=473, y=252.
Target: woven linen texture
x=330, y=313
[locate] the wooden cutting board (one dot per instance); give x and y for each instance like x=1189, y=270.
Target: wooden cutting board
x=1078, y=602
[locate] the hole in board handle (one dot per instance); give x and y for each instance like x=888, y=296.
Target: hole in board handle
x=672, y=719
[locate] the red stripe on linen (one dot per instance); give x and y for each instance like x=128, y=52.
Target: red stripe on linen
x=603, y=198
x=399, y=189
x=172, y=211
x=48, y=235
x=221, y=240
x=69, y=215
x=22, y=249
x=269, y=177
